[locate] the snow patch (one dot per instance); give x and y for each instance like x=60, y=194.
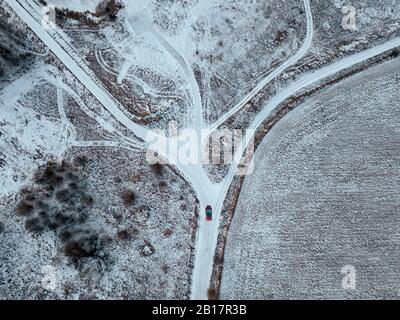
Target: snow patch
x=75, y=5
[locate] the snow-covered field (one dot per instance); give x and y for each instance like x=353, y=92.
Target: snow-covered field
x=163, y=212
x=167, y=55
x=146, y=244
x=96, y=81
x=340, y=30
x=323, y=196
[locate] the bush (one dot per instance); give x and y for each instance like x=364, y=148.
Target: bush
x=157, y=169
x=165, y=269
x=59, y=196
x=127, y=233
x=50, y=175
x=82, y=245
x=24, y=208
x=34, y=225
x=63, y=195
x=73, y=177
x=167, y=233
x=43, y=218
x=212, y=294
x=87, y=200
x=147, y=249
x=80, y=161
x=62, y=218
x=107, y=7
x=128, y=197
x=73, y=186
x=59, y=203
x=1, y=227
x=30, y=197
x=66, y=233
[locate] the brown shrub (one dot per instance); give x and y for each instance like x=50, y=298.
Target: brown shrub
x=85, y=245
x=157, y=169
x=80, y=161
x=127, y=233
x=137, y=177
x=167, y=233
x=213, y=294
x=34, y=225
x=147, y=249
x=63, y=195
x=165, y=269
x=87, y=200
x=128, y=197
x=24, y=208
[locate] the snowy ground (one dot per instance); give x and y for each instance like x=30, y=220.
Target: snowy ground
x=75, y=5
x=167, y=55
x=374, y=23
x=323, y=196
x=148, y=246
x=371, y=19
x=98, y=81
x=163, y=212
x=147, y=249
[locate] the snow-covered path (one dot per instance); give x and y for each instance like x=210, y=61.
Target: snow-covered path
x=208, y=193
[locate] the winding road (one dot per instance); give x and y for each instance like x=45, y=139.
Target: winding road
x=207, y=191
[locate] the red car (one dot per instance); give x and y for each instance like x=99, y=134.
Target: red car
x=208, y=213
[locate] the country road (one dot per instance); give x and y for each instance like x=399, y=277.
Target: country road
x=208, y=193
x=208, y=232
